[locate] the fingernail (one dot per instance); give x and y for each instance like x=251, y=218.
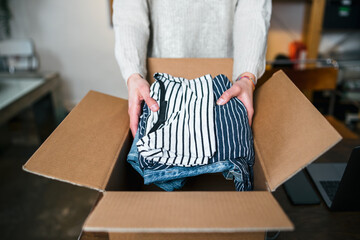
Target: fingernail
x=220, y=101
x=154, y=107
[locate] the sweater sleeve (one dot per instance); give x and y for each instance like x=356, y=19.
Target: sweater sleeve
x=251, y=25
x=132, y=29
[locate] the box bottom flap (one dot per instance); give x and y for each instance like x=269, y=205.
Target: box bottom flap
x=166, y=212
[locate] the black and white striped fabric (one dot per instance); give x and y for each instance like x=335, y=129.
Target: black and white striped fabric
x=182, y=131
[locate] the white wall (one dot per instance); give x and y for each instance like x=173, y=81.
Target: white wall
x=285, y=27
x=74, y=38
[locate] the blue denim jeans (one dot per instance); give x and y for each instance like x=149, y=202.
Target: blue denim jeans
x=234, y=156
x=133, y=159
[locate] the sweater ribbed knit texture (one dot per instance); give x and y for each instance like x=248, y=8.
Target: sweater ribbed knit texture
x=191, y=29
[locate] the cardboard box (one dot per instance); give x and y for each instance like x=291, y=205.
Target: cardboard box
x=89, y=149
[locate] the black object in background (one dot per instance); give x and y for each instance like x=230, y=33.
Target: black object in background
x=347, y=197
x=342, y=15
x=300, y=190
x=282, y=61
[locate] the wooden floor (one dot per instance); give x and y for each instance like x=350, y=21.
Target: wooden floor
x=36, y=208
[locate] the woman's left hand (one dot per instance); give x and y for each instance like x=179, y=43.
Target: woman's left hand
x=243, y=90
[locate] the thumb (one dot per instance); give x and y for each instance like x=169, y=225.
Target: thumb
x=228, y=94
x=152, y=104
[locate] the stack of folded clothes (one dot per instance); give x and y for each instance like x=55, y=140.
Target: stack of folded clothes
x=190, y=135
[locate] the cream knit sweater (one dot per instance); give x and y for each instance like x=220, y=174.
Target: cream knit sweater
x=191, y=28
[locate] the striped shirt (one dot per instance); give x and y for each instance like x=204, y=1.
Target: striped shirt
x=182, y=132
x=234, y=136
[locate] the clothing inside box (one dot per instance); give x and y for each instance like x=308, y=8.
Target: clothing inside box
x=125, y=178
x=90, y=147
x=190, y=135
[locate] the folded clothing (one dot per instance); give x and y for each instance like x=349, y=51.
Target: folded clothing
x=234, y=153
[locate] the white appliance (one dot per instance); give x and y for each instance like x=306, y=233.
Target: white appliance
x=17, y=55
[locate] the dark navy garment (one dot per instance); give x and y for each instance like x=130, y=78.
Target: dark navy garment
x=234, y=155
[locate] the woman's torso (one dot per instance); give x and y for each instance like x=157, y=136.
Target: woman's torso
x=191, y=28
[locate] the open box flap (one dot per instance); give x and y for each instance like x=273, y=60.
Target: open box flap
x=289, y=132
x=164, y=212
x=85, y=146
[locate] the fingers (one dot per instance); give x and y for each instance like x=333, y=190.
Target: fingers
x=145, y=93
x=139, y=90
x=244, y=97
x=142, y=93
x=228, y=94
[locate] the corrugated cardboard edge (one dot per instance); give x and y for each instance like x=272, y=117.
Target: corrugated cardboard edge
x=61, y=180
x=183, y=230
x=181, y=236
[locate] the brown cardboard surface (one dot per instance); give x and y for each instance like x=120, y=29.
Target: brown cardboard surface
x=260, y=182
x=189, y=67
x=308, y=79
x=187, y=236
x=289, y=132
x=164, y=212
x=85, y=146
x=172, y=236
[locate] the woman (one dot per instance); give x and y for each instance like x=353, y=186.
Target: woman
x=190, y=28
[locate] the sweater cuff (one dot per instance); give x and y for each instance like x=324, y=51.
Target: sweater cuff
x=251, y=67
x=130, y=70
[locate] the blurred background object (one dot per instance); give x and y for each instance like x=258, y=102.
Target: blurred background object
x=18, y=55
x=5, y=16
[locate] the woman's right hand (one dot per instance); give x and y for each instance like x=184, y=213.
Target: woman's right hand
x=139, y=90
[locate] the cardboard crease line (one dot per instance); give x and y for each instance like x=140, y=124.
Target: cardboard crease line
x=120, y=145
x=61, y=180
x=258, y=153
